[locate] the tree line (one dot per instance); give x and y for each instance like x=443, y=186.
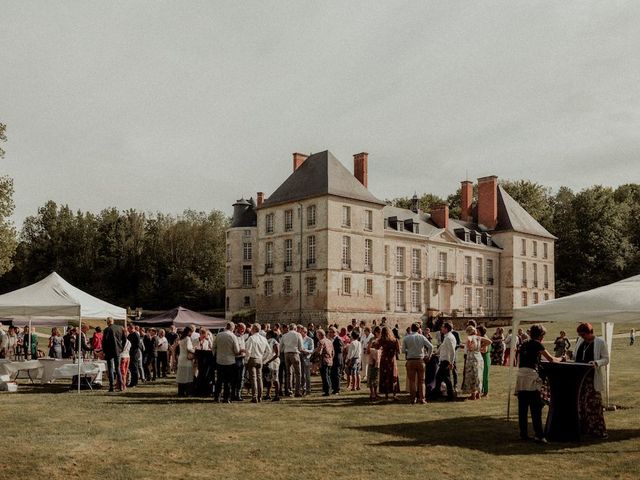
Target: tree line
x=129, y=258
x=597, y=228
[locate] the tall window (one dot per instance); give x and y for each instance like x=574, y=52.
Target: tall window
x=286, y=286
x=268, y=288
x=288, y=254
x=269, y=223
x=346, y=285
x=545, y=270
x=416, y=296
x=399, y=260
x=546, y=297
x=524, y=299
x=535, y=275
x=346, y=252
x=415, y=262
x=467, y=299
x=311, y=250
x=387, y=294
x=442, y=264
x=536, y=299
x=479, y=298
x=228, y=253
x=288, y=220
x=545, y=250
x=535, y=249
x=489, y=271
x=247, y=251
x=368, y=220
x=524, y=274
x=368, y=259
x=488, y=300
x=246, y=276
x=523, y=247
x=311, y=216
x=479, y=271
x=268, y=254
x=311, y=285
x=468, y=277
x=400, y=299
x=346, y=216
x=368, y=286
x=386, y=258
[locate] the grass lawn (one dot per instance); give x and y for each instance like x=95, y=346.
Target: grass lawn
x=49, y=432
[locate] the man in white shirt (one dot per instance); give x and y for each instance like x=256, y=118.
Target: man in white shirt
x=447, y=356
x=291, y=344
x=416, y=347
x=257, y=348
x=225, y=348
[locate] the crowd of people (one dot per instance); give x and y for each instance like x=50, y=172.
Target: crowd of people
x=264, y=362
x=268, y=362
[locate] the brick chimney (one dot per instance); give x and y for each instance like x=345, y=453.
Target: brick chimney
x=440, y=215
x=488, y=201
x=466, y=200
x=298, y=159
x=361, y=167
x=260, y=199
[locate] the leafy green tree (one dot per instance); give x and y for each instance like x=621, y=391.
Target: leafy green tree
x=7, y=231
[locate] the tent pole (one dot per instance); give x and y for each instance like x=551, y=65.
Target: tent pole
x=79, y=349
x=30, y=333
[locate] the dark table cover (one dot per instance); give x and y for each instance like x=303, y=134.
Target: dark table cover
x=565, y=381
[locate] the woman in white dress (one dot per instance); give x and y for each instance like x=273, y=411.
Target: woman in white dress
x=184, y=376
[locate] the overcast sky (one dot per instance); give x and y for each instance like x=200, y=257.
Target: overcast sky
x=163, y=106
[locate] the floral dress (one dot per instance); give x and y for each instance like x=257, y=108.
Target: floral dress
x=388, y=374
x=473, y=367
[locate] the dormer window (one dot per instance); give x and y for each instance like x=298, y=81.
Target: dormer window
x=416, y=228
x=478, y=239
x=401, y=226
x=467, y=236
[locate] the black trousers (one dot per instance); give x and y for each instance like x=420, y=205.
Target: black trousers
x=161, y=364
x=530, y=401
x=149, y=366
x=224, y=381
x=325, y=376
x=444, y=375
x=336, y=372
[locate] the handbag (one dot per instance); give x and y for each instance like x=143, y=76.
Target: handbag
x=190, y=356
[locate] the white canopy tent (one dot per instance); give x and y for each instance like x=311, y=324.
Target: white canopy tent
x=54, y=302
x=618, y=302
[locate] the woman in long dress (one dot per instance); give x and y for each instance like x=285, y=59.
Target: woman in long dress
x=497, y=347
x=474, y=365
x=389, y=348
x=485, y=350
x=592, y=350
x=184, y=376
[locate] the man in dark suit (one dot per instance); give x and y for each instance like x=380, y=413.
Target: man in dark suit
x=112, y=344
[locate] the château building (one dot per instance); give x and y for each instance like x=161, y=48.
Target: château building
x=323, y=248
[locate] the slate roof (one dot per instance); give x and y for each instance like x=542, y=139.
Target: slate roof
x=320, y=174
x=427, y=228
x=511, y=216
x=244, y=214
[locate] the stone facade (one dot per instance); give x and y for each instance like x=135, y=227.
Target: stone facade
x=330, y=258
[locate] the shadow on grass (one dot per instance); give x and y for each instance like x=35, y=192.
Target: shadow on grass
x=486, y=434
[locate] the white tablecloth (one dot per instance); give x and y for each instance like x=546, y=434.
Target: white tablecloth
x=8, y=367
x=49, y=365
x=95, y=367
